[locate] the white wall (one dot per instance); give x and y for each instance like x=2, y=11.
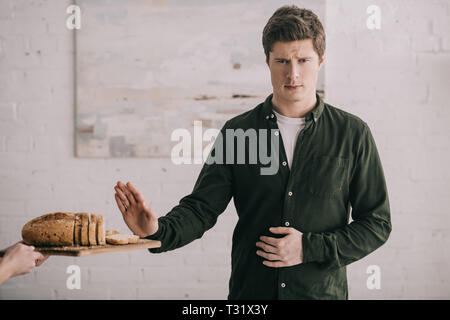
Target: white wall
x=395, y=78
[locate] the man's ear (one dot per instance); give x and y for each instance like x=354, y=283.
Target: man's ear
x=321, y=61
x=268, y=59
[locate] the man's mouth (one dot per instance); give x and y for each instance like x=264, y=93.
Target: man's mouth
x=293, y=87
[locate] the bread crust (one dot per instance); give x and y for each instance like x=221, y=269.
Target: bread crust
x=84, y=229
x=100, y=230
x=93, y=229
x=77, y=230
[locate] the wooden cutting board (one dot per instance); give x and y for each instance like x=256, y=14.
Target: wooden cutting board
x=78, y=251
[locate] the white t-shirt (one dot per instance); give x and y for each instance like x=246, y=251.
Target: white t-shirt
x=289, y=130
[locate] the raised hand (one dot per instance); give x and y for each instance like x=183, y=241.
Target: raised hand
x=137, y=213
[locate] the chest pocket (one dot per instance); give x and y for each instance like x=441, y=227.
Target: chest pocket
x=327, y=176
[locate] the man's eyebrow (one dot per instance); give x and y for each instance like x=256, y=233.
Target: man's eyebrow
x=289, y=59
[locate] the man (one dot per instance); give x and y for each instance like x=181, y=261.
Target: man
x=293, y=238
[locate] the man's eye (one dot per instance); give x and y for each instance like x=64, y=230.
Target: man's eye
x=282, y=61
x=303, y=60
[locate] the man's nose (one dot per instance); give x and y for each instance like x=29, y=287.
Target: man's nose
x=293, y=72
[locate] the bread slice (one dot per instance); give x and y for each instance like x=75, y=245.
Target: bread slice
x=110, y=232
x=52, y=229
x=133, y=239
x=117, y=239
x=122, y=238
x=77, y=230
x=84, y=229
x=93, y=229
x=100, y=230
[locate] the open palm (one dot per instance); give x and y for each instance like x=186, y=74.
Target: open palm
x=137, y=213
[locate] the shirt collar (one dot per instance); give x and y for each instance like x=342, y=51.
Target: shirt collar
x=314, y=114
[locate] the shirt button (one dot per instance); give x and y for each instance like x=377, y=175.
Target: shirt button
x=267, y=117
x=290, y=193
x=276, y=133
x=283, y=284
x=272, y=115
x=284, y=163
x=286, y=223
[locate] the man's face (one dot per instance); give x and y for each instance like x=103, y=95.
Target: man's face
x=294, y=69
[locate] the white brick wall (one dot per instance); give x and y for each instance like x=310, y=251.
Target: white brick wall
x=395, y=78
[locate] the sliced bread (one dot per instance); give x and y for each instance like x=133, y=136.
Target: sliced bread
x=133, y=239
x=92, y=229
x=117, y=239
x=100, y=230
x=84, y=229
x=77, y=230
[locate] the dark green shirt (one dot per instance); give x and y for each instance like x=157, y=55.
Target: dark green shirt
x=336, y=170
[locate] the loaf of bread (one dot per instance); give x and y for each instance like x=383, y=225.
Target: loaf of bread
x=50, y=229
x=64, y=229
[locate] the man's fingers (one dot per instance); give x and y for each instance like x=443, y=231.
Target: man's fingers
x=136, y=193
x=120, y=204
x=266, y=247
x=122, y=196
x=274, y=264
x=272, y=241
x=280, y=230
x=127, y=193
x=268, y=256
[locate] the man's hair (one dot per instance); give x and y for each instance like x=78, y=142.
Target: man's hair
x=290, y=23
